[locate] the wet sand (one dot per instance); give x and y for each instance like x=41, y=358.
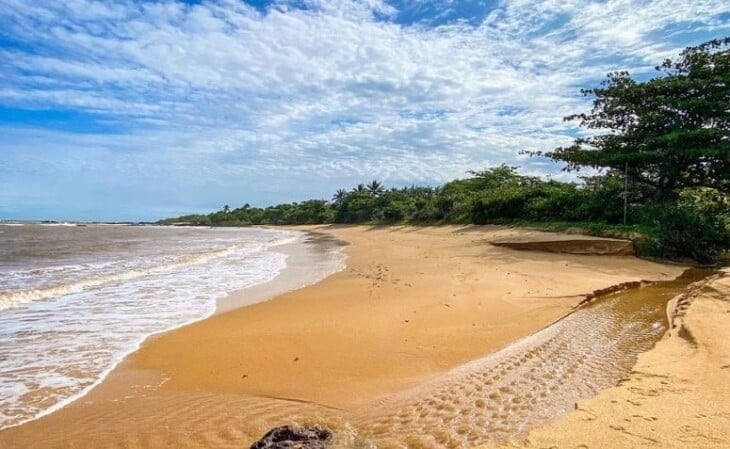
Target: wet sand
x=677, y=396
x=411, y=304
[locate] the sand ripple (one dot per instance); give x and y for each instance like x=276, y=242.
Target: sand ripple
x=506, y=394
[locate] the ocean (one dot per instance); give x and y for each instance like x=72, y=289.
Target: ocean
x=76, y=299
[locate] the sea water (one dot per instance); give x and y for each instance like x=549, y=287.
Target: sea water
x=76, y=299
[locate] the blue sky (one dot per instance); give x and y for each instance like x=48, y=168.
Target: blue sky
x=136, y=110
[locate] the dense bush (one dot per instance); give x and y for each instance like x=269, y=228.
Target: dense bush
x=679, y=231
x=502, y=204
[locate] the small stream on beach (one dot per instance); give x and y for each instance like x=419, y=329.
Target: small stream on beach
x=504, y=395
x=501, y=396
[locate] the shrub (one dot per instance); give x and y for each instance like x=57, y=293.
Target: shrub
x=681, y=231
x=500, y=204
x=554, y=202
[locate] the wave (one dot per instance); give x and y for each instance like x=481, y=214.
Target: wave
x=13, y=298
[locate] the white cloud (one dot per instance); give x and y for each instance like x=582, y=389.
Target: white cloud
x=333, y=93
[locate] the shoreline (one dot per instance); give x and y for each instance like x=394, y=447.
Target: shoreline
x=305, y=249
x=146, y=365
x=310, y=252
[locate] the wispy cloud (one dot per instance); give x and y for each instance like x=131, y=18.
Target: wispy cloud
x=226, y=102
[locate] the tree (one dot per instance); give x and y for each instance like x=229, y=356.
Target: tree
x=501, y=176
x=339, y=196
x=672, y=131
x=360, y=188
x=375, y=188
x=226, y=208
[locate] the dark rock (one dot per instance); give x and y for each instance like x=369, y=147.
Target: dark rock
x=295, y=437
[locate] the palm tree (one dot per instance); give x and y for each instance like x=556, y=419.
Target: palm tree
x=375, y=188
x=226, y=208
x=360, y=188
x=339, y=196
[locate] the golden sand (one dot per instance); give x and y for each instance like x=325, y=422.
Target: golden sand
x=411, y=304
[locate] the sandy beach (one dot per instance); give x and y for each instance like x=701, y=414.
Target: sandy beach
x=411, y=304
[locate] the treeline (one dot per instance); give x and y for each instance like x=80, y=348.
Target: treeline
x=696, y=225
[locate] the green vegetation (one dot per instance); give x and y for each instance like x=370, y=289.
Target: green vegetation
x=666, y=139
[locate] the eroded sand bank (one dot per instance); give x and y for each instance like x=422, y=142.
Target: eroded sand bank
x=411, y=304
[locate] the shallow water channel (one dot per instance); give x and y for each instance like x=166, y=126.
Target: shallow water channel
x=537, y=379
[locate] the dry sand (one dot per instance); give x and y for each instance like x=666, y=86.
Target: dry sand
x=411, y=304
x=678, y=394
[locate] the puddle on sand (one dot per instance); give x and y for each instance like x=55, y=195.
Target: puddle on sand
x=505, y=394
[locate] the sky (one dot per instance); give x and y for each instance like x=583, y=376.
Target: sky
x=138, y=110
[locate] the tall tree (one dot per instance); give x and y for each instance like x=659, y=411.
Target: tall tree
x=339, y=196
x=375, y=188
x=672, y=131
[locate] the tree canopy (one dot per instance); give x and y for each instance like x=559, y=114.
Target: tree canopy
x=672, y=131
